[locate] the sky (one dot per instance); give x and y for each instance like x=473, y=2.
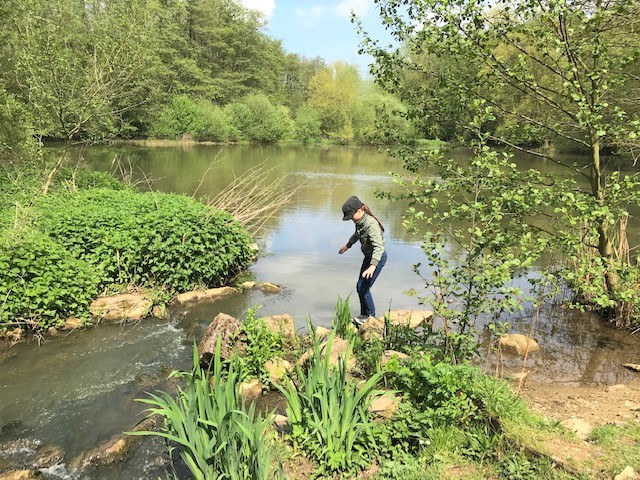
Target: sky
x=321, y=27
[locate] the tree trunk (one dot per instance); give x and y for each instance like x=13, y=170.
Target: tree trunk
x=605, y=245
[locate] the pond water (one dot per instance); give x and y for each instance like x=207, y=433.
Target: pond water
x=77, y=390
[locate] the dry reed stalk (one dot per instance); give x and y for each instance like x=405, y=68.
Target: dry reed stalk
x=252, y=199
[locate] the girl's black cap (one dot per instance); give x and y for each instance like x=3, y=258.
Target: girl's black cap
x=350, y=207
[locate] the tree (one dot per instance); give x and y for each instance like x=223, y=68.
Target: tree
x=79, y=66
x=334, y=94
x=571, y=63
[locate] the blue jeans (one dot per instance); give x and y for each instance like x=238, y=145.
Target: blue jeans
x=363, y=286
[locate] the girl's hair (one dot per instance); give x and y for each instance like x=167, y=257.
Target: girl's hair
x=368, y=211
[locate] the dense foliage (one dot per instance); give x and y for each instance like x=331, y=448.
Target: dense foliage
x=170, y=241
x=42, y=281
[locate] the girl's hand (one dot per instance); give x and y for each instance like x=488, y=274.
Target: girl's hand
x=343, y=249
x=368, y=273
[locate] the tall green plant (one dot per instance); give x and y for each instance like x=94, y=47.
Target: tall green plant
x=215, y=435
x=329, y=413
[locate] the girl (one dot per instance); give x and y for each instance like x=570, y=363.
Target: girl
x=369, y=231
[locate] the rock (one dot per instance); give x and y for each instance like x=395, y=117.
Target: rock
x=211, y=294
x=282, y=324
x=322, y=332
x=248, y=285
x=627, y=473
x=277, y=369
x=72, y=323
x=578, y=426
x=519, y=376
x=632, y=366
x=20, y=475
x=250, y=390
x=410, y=318
x=372, y=328
x=53, y=331
x=518, y=344
x=114, y=449
x=384, y=406
x=125, y=306
x=14, y=335
x=339, y=349
x=270, y=288
x=389, y=354
x=223, y=327
x=282, y=424
x=48, y=457
x=160, y=311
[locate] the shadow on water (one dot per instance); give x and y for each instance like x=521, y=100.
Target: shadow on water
x=78, y=390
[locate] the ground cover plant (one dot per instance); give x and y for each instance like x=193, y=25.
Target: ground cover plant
x=152, y=238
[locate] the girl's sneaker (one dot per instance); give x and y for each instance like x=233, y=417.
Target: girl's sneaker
x=359, y=320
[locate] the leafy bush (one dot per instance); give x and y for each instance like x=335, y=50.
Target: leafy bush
x=216, y=437
x=201, y=119
x=147, y=239
x=42, y=281
x=259, y=120
x=329, y=414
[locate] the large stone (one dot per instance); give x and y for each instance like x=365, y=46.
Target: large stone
x=322, y=333
x=410, y=318
x=270, y=288
x=372, y=328
x=20, y=475
x=115, y=449
x=390, y=354
x=384, y=406
x=339, y=350
x=223, y=327
x=250, y=390
x=518, y=344
x=125, y=306
x=282, y=324
x=210, y=294
x=277, y=368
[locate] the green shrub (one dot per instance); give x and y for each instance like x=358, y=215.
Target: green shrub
x=201, y=119
x=459, y=395
x=42, y=282
x=147, y=239
x=216, y=436
x=329, y=414
x=259, y=120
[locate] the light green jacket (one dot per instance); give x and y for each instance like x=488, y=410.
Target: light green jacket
x=369, y=233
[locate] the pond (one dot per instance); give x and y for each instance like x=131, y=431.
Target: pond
x=77, y=390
